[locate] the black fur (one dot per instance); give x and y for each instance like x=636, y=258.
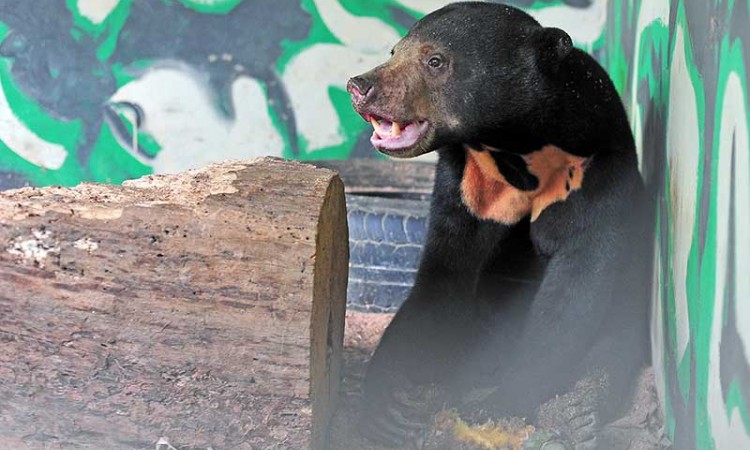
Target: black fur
x=506, y=317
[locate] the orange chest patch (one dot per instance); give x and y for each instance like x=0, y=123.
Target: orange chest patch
x=488, y=195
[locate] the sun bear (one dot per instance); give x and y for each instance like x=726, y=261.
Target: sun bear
x=536, y=268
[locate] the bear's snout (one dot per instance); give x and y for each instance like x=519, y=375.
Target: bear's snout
x=360, y=88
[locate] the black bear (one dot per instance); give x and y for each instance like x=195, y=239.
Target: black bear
x=536, y=269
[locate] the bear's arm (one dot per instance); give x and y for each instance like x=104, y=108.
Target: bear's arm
x=596, y=238
x=429, y=332
x=437, y=324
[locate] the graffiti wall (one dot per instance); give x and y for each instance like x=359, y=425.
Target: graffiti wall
x=107, y=90
x=682, y=67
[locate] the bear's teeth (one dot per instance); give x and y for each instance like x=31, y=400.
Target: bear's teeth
x=392, y=129
x=375, y=125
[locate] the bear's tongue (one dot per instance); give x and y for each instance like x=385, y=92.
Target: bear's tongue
x=394, y=135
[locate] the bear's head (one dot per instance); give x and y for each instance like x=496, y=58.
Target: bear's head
x=463, y=74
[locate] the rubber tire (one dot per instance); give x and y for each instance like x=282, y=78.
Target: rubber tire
x=386, y=236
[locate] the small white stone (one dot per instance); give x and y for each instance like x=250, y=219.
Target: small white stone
x=86, y=244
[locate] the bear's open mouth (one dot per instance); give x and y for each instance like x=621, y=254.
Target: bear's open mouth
x=390, y=135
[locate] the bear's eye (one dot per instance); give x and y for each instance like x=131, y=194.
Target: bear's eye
x=435, y=61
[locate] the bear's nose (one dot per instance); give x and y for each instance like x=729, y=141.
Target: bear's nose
x=360, y=88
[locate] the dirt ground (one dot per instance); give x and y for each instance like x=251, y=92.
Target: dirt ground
x=641, y=429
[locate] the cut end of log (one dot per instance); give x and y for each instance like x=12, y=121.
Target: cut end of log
x=329, y=307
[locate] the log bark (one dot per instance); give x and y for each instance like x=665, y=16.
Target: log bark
x=205, y=307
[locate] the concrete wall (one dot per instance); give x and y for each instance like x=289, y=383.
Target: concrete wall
x=682, y=67
x=112, y=89
x=107, y=90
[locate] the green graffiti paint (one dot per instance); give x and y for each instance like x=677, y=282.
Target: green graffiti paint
x=545, y=4
x=653, y=47
x=144, y=140
x=125, y=74
x=351, y=125
x=703, y=331
x=113, y=24
x=108, y=162
x=76, y=34
x=700, y=278
x=668, y=308
x=46, y=127
x=105, y=32
x=731, y=61
x=212, y=6
x=319, y=34
x=114, y=167
x=148, y=144
x=615, y=59
x=381, y=9
x=735, y=401
x=83, y=23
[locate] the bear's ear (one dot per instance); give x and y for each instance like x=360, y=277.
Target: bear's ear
x=554, y=45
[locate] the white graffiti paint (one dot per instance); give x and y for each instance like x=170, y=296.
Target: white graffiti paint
x=97, y=10
x=726, y=425
x=683, y=153
x=636, y=124
x=657, y=330
x=651, y=12
x=181, y=115
x=585, y=26
x=366, y=41
x=424, y=6
x=308, y=76
x=734, y=127
x=736, y=117
x=25, y=143
x=364, y=34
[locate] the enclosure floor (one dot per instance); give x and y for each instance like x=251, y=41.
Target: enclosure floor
x=641, y=429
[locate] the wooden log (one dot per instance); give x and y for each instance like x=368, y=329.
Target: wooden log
x=205, y=307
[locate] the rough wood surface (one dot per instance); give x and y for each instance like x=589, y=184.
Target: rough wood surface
x=205, y=307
